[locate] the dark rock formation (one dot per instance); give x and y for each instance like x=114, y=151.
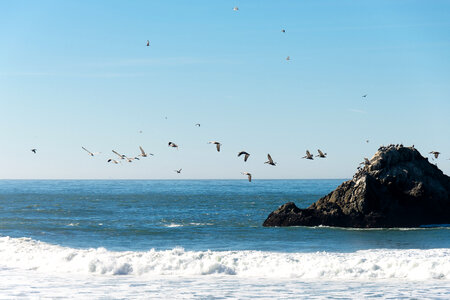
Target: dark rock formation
x=398, y=187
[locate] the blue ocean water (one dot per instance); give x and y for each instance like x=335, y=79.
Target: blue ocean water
x=193, y=214
x=121, y=239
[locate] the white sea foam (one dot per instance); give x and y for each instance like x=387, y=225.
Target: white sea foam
x=28, y=254
x=172, y=225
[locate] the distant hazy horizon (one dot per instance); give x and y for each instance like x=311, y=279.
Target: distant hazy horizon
x=79, y=74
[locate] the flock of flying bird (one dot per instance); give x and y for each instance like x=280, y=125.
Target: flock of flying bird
x=218, y=144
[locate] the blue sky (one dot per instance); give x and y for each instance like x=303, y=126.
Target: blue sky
x=78, y=73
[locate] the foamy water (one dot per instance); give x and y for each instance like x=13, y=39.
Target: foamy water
x=28, y=254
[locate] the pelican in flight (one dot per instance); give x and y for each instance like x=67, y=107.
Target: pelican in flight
x=90, y=153
x=178, y=171
x=270, y=161
x=308, y=155
x=143, y=154
x=148, y=43
x=246, y=155
x=321, y=154
x=173, y=145
x=217, y=145
x=34, y=150
x=121, y=156
x=248, y=174
x=435, y=153
x=288, y=58
x=113, y=161
x=130, y=159
x=235, y=8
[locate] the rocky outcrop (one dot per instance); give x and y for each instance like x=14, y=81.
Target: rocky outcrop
x=398, y=187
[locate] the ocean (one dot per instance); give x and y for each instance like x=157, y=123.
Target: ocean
x=202, y=239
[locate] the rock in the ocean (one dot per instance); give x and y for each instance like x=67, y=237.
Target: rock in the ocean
x=398, y=187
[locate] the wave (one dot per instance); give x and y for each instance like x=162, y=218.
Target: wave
x=29, y=254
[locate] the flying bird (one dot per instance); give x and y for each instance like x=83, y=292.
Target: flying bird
x=217, y=145
x=130, y=159
x=121, y=156
x=288, y=58
x=321, y=154
x=198, y=124
x=173, y=145
x=34, y=150
x=435, y=153
x=113, y=161
x=148, y=43
x=283, y=30
x=178, y=171
x=143, y=154
x=246, y=155
x=367, y=141
x=308, y=155
x=364, y=96
x=235, y=8
x=89, y=152
x=270, y=161
x=248, y=174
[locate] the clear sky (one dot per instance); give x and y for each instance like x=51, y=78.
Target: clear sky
x=78, y=73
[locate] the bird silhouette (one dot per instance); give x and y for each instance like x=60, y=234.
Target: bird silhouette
x=283, y=30
x=321, y=154
x=34, y=150
x=173, y=145
x=235, y=8
x=217, y=145
x=198, y=124
x=121, y=156
x=178, y=171
x=90, y=153
x=143, y=154
x=435, y=153
x=113, y=161
x=246, y=155
x=308, y=155
x=248, y=174
x=270, y=161
x=148, y=43
x=288, y=58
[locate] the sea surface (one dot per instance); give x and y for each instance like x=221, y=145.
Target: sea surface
x=202, y=239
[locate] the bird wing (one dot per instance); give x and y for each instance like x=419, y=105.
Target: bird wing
x=307, y=153
x=320, y=152
x=86, y=150
x=246, y=156
x=249, y=177
x=218, y=147
x=142, y=150
x=120, y=155
x=270, y=158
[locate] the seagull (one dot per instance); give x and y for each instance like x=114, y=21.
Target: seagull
x=249, y=176
x=435, y=153
x=178, y=171
x=270, y=161
x=148, y=43
x=198, y=124
x=283, y=30
x=143, y=154
x=121, y=156
x=308, y=155
x=34, y=150
x=90, y=153
x=113, y=161
x=235, y=8
x=288, y=58
x=217, y=145
x=321, y=154
x=173, y=145
x=244, y=153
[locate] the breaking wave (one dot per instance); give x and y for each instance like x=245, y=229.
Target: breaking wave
x=29, y=254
